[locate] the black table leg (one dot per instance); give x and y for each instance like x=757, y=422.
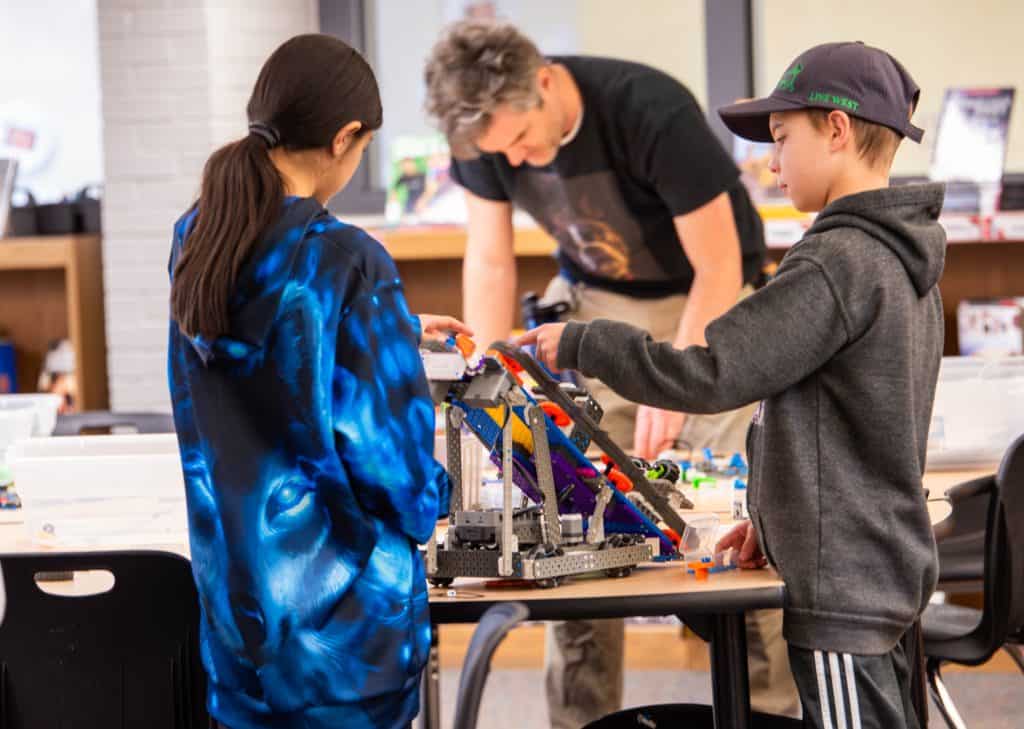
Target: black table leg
x=430, y=704
x=730, y=683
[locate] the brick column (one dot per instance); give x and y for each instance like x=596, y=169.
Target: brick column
x=175, y=76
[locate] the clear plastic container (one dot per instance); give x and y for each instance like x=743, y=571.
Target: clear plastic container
x=739, y=500
x=978, y=411
x=700, y=536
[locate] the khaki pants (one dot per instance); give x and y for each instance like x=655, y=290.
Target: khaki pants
x=584, y=659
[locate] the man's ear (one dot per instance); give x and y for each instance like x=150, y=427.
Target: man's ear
x=545, y=78
x=840, y=130
x=344, y=137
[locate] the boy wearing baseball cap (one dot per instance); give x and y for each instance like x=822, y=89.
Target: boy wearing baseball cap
x=843, y=349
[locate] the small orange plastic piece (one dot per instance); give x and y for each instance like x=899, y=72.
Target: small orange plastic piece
x=507, y=362
x=557, y=415
x=620, y=480
x=465, y=345
x=700, y=569
x=510, y=365
x=606, y=459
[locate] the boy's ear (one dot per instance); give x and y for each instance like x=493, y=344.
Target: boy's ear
x=344, y=138
x=840, y=130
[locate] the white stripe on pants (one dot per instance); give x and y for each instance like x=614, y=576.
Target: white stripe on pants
x=830, y=690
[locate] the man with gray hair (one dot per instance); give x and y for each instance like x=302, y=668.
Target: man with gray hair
x=615, y=160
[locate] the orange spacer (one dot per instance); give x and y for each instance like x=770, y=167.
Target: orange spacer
x=700, y=569
x=465, y=345
x=620, y=480
x=510, y=365
x=555, y=412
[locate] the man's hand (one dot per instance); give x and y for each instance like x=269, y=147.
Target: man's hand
x=656, y=430
x=436, y=326
x=545, y=339
x=743, y=538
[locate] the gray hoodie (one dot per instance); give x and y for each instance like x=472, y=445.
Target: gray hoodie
x=843, y=348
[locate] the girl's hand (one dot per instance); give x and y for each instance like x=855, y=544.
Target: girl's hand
x=436, y=326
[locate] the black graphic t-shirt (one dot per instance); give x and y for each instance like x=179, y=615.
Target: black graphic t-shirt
x=643, y=154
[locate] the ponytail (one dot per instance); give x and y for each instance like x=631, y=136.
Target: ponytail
x=309, y=88
x=241, y=197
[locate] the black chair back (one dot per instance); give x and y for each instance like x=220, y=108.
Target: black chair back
x=127, y=658
x=494, y=625
x=962, y=549
x=103, y=421
x=1007, y=549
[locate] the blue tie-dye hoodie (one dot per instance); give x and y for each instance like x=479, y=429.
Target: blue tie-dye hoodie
x=306, y=438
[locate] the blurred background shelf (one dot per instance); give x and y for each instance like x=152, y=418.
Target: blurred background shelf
x=52, y=288
x=429, y=260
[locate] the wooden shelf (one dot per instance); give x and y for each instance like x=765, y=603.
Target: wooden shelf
x=981, y=270
x=34, y=254
x=52, y=288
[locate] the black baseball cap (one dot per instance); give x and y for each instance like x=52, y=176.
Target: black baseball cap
x=864, y=82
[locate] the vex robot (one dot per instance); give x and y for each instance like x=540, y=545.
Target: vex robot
x=561, y=515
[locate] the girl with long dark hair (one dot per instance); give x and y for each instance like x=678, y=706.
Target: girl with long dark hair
x=304, y=420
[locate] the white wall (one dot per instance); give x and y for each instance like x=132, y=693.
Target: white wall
x=176, y=76
x=49, y=67
x=667, y=34
x=941, y=42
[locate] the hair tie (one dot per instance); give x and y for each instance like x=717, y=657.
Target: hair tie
x=265, y=132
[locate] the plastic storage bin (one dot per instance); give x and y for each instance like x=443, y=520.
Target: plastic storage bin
x=17, y=421
x=979, y=410
x=101, y=489
x=46, y=406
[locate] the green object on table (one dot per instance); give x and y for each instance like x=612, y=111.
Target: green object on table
x=6, y=477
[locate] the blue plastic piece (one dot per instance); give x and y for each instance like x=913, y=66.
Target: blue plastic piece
x=737, y=462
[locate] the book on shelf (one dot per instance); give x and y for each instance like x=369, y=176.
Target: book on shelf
x=421, y=190
x=971, y=139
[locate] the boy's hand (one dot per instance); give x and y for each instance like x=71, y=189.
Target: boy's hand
x=436, y=326
x=545, y=339
x=743, y=538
